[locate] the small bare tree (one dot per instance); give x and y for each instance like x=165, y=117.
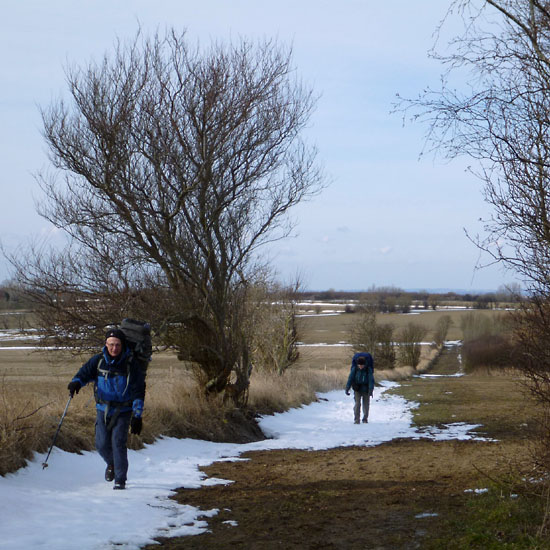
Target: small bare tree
x=442, y=327
x=275, y=329
x=173, y=166
x=410, y=344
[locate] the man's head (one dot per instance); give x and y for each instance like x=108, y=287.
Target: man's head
x=114, y=342
x=361, y=361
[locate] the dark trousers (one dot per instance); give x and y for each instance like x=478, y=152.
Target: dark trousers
x=365, y=399
x=110, y=442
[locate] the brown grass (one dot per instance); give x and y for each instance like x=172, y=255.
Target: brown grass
x=28, y=421
x=272, y=393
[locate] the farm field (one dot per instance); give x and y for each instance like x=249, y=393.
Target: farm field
x=331, y=329
x=334, y=330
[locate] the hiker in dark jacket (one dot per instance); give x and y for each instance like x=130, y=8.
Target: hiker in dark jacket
x=119, y=388
x=361, y=379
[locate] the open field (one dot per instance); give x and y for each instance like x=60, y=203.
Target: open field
x=314, y=329
x=332, y=329
x=40, y=372
x=46, y=374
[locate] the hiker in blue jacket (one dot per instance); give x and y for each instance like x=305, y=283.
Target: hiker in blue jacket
x=119, y=388
x=361, y=379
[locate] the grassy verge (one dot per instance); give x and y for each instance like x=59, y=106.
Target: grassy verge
x=511, y=511
x=506, y=516
x=497, y=400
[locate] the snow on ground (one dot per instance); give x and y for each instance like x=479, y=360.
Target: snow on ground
x=13, y=334
x=68, y=505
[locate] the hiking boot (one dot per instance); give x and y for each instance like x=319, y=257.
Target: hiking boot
x=365, y=421
x=356, y=422
x=109, y=473
x=119, y=485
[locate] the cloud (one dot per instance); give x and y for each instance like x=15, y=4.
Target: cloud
x=385, y=250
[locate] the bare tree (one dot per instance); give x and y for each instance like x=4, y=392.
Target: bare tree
x=173, y=166
x=441, y=329
x=410, y=344
x=498, y=114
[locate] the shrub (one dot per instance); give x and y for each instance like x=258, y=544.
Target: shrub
x=385, y=348
x=410, y=344
x=441, y=329
x=492, y=350
x=486, y=341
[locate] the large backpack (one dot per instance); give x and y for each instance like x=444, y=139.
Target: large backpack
x=138, y=339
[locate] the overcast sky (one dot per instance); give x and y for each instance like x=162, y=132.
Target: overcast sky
x=387, y=218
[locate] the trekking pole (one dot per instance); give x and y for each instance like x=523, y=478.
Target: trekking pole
x=45, y=463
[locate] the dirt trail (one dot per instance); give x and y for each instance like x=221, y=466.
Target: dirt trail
x=393, y=496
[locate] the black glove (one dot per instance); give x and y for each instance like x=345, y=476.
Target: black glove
x=347, y=392
x=136, y=424
x=73, y=387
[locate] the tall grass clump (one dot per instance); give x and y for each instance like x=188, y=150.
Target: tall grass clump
x=271, y=393
x=486, y=341
x=176, y=408
x=21, y=429
x=28, y=421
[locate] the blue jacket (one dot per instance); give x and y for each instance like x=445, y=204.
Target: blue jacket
x=119, y=382
x=361, y=380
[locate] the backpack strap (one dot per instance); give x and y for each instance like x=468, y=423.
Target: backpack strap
x=106, y=372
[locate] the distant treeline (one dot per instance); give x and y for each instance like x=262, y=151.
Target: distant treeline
x=386, y=299
x=389, y=299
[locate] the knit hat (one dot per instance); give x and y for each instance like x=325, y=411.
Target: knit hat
x=116, y=333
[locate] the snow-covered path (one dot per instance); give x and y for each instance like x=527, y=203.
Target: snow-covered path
x=68, y=505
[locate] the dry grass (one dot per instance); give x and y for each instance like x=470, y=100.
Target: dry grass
x=272, y=393
x=28, y=421
x=20, y=426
